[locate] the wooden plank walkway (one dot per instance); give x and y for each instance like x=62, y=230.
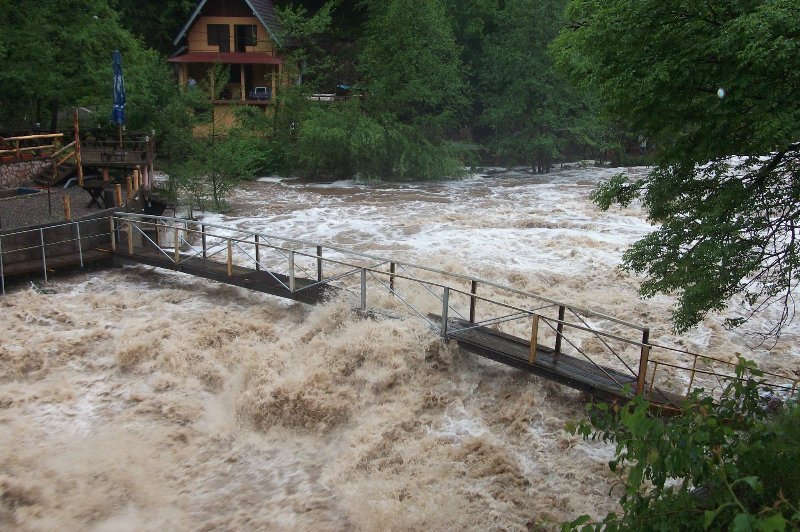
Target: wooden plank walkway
x=306, y=290
x=603, y=383
x=578, y=373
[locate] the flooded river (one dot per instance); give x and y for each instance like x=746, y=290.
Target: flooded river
x=142, y=399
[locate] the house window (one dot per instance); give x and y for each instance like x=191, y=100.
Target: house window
x=246, y=35
x=219, y=35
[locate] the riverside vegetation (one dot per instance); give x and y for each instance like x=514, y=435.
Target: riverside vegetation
x=713, y=86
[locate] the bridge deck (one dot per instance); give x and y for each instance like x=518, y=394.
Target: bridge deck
x=578, y=373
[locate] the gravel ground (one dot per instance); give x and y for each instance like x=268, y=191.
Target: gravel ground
x=32, y=209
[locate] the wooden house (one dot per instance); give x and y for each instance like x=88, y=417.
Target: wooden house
x=242, y=34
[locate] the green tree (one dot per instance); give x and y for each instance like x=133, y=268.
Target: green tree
x=704, y=81
x=156, y=23
x=534, y=114
x=411, y=65
x=730, y=464
x=57, y=54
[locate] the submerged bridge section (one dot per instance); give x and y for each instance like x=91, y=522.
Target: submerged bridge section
x=586, y=350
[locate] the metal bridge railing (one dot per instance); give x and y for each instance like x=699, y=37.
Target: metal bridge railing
x=606, y=342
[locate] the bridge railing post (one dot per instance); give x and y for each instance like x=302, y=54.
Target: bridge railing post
x=319, y=264
x=643, y=359
x=113, y=233
x=44, y=254
x=392, y=270
x=230, y=258
x=176, y=235
x=560, y=328
x=203, y=238
x=2, y=273
x=130, y=237
x=363, y=289
x=445, y=310
x=473, y=300
x=80, y=243
x=258, y=254
x=291, y=272
x=534, y=339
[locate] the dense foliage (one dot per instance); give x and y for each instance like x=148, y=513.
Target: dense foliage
x=730, y=464
x=715, y=85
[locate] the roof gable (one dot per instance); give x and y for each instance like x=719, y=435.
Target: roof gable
x=264, y=11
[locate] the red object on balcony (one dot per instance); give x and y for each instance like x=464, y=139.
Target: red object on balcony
x=227, y=58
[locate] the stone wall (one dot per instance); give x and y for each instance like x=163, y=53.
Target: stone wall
x=15, y=174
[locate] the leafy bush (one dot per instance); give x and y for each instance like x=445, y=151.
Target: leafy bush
x=731, y=464
x=339, y=141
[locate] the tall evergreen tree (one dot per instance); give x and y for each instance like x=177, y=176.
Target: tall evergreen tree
x=534, y=114
x=411, y=66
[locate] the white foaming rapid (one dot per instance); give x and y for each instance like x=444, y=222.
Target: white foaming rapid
x=142, y=399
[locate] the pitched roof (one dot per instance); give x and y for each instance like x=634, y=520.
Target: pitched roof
x=264, y=10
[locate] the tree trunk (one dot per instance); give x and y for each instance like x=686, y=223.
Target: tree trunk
x=53, y=114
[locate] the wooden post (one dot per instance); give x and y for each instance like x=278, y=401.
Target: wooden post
x=445, y=311
x=129, y=190
x=177, y=241
x=241, y=82
x=534, y=339
x=560, y=328
x=67, y=208
x=230, y=258
x=643, y=358
x=118, y=194
x=319, y=264
x=391, y=276
x=113, y=234
x=136, y=177
x=653, y=381
x=691, y=378
x=130, y=237
x=203, y=238
x=258, y=256
x=473, y=301
x=78, y=162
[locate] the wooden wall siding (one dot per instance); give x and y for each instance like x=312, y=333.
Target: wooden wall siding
x=226, y=8
x=198, y=35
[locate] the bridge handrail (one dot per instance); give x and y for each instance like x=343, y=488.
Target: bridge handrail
x=582, y=310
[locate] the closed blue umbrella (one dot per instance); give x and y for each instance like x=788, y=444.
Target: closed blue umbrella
x=118, y=111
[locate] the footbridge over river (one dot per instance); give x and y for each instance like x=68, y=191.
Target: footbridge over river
x=610, y=358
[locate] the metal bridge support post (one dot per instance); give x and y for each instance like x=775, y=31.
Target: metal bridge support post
x=291, y=271
x=80, y=244
x=203, y=237
x=534, y=339
x=2, y=274
x=258, y=255
x=560, y=328
x=44, y=255
x=473, y=301
x=319, y=264
x=643, y=358
x=445, y=310
x=176, y=237
x=363, y=289
x=230, y=258
x=392, y=269
x=130, y=237
x=113, y=234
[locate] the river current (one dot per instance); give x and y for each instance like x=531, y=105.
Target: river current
x=143, y=399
